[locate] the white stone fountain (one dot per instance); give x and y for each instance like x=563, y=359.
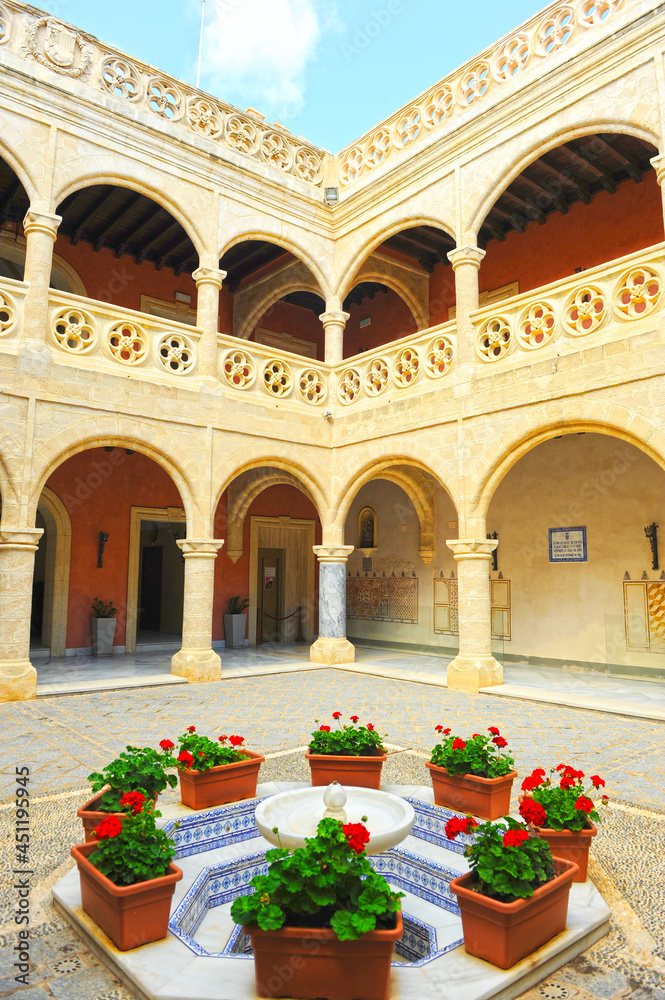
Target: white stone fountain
x=296, y=815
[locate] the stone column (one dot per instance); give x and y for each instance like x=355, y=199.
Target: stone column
x=658, y=163
x=474, y=666
x=332, y=646
x=466, y=262
x=334, y=321
x=18, y=677
x=197, y=661
x=41, y=230
x=208, y=284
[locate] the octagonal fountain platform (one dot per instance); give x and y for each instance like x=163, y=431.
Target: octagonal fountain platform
x=207, y=957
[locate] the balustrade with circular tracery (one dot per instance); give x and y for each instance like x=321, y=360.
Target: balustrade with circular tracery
x=176, y=354
x=239, y=369
x=128, y=343
x=439, y=357
x=585, y=310
x=555, y=31
x=439, y=106
x=406, y=367
x=205, y=118
x=511, y=58
x=536, y=326
x=312, y=386
x=376, y=376
x=277, y=378
x=8, y=314
x=120, y=78
x=74, y=331
x=494, y=339
x=164, y=99
x=348, y=387
x=637, y=292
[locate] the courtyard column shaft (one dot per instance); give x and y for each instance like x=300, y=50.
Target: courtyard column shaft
x=197, y=661
x=41, y=230
x=474, y=666
x=208, y=284
x=332, y=646
x=466, y=263
x=18, y=677
x=334, y=321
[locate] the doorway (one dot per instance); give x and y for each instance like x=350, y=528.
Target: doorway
x=156, y=576
x=270, y=597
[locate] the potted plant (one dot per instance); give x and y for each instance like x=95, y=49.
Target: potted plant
x=235, y=622
x=103, y=627
x=322, y=922
x=515, y=898
x=139, y=768
x=127, y=876
x=473, y=775
x=562, y=812
x=214, y=772
x=351, y=755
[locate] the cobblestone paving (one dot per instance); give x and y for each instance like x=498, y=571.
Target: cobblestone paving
x=63, y=739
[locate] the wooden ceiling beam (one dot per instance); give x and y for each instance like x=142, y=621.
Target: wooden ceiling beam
x=603, y=175
x=157, y=238
x=119, y=219
x=84, y=223
x=625, y=158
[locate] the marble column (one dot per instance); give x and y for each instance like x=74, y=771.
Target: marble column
x=332, y=646
x=41, y=230
x=208, y=284
x=474, y=666
x=466, y=263
x=18, y=677
x=334, y=322
x=196, y=660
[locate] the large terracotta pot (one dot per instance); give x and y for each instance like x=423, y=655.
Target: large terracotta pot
x=570, y=845
x=363, y=772
x=221, y=784
x=505, y=933
x=131, y=915
x=90, y=814
x=488, y=798
x=312, y=963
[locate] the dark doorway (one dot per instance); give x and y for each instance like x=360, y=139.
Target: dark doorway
x=270, y=597
x=161, y=582
x=151, y=588
x=38, y=588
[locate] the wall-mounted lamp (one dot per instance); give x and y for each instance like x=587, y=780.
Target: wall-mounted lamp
x=103, y=539
x=330, y=196
x=651, y=531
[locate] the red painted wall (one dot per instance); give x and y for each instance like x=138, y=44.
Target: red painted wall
x=284, y=317
x=98, y=488
x=611, y=226
x=391, y=319
x=232, y=579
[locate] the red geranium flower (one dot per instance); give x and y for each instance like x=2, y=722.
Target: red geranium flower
x=166, y=745
x=533, y=780
x=109, y=827
x=597, y=781
x=235, y=741
x=458, y=824
x=514, y=838
x=605, y=799
x=354, y=718
x=458, y=744
x=337, y=715
x=222, y=739
x=324, y=729
x=568, y=782
x=134, y=801
x=473, y=736
x=584, y=804
x=446, y=732
x=500, y=742
x=370, y=726
x=201, y=753
x=438, y=729
x=533, y=812
x=493, y=730
x=357, y=836
x=185, y=758
x=191, y=729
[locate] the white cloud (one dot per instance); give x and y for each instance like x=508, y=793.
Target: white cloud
x=256, y=52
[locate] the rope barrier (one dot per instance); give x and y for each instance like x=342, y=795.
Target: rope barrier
x=259, y=623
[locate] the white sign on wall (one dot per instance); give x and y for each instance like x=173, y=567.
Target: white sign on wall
x=568, y=544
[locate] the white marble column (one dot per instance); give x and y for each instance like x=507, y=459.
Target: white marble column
x=41, y=230
x=466, y=263
x=332, y=646
x=208, y=284
x=196, y=660
x=18, y=677
x=474, y=666
x=334, y=322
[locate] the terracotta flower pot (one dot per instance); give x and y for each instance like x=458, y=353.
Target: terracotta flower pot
x=488, y=798
x=221, y=784
x=505, y=933
x=312, y=963
x=363, y=772
x=90, y=815
x=131, y=915
x=570, y=845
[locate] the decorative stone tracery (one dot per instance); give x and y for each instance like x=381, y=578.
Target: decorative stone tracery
x=176, y=354
x=8, y=314
x=128, y=343
x=585, y=310
x=58, y=46
x=439, y=357
x=312, y=386
x=474, y=83
x=376, y=376
x=277, y=378
x=120, y=78
x=637, y=293
x=239, y=369
x=511, y=58
x=494, y=339
x=440, y=106
x=406, y=367
x=348, y=387
x=242, y=134
x=537, y=325
x=555, y=31
x=74, y=330
x=5, y=24
x=408, y=127
x=205, y=118
x=165, y=99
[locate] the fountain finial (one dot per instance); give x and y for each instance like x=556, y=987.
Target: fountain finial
x=334, y=799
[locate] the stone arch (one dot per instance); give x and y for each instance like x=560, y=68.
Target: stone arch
x=308, y=257
x=542, y=141
x=122, y=179
x=242, y=493
x=30, y=185
x=358, y=256
x=412, y=288
x=58, y=556
x=299, y=477
x=14, y=250
x=643, y=435
x=248, y=310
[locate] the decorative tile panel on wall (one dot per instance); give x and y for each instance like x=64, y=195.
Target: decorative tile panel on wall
x=644, y=615
x=383, y=599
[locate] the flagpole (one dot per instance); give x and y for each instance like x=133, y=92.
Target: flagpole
x=198, y=70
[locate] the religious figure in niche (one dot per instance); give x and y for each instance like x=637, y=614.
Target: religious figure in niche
x=367, y=529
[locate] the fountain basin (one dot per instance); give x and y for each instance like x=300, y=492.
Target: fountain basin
x=297, y=814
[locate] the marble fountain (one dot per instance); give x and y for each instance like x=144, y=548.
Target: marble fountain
x=207, y=957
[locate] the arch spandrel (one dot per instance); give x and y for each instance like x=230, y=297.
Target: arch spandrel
x=314, y=252
x=252, y=303
x=308, y=480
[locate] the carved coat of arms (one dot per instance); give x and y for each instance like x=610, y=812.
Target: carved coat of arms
x=58, y=46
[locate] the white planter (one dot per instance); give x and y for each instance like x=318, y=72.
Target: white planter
x=235, y=627
x=103, y=634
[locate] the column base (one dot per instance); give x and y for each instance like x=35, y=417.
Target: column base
x=332, y=651
x=471, y=673
x=18, y=680
x=197, y=665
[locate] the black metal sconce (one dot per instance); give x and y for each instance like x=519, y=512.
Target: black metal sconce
x=495, y=554
x=651, y=531
x=103, y=539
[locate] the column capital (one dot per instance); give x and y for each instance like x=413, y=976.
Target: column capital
x=337, y=316
x=208, y=276
x=41, y=222
x=466, y=255
x=20, y=538
x=658, y=164
x=202, y=547
x=472, y=548
x=333, y=553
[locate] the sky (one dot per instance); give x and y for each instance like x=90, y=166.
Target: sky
x=326, y=69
